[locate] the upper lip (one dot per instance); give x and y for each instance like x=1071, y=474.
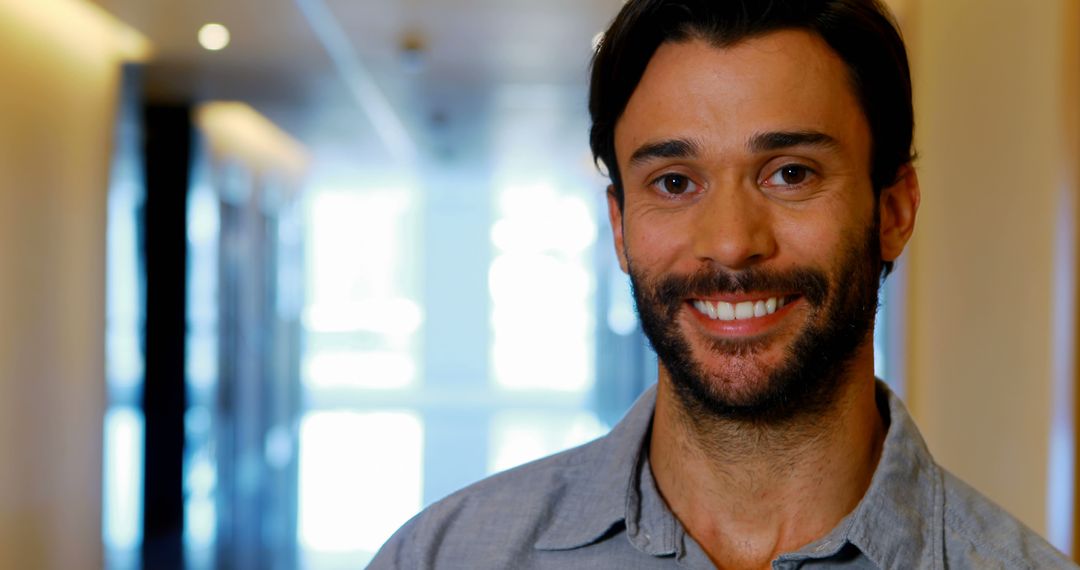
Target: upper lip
x=734, y=298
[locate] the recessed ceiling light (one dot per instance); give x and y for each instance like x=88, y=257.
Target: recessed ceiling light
x=213, y=36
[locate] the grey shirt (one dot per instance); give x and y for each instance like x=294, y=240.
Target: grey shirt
x=597, y=506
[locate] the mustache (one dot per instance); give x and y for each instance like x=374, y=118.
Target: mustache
x=811, y=284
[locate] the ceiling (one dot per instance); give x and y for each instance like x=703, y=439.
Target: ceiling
x=473, y=53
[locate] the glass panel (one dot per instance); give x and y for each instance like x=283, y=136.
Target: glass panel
x=360, y=474
x=542, y=277
x=360, y=478
x=360, y=322
x=123, y=478
x=122, y=500
x=356, y=266
x=201, y=484
x=521, y=436
x=541, y=290
x=376, y=369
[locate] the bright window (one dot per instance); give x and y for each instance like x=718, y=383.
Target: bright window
x=361, y=461
x=360, y=478
x=520, y=436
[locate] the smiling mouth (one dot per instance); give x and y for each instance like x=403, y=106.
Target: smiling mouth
x=743, y=310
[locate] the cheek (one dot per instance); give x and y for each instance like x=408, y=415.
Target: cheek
x=806, y=240
x=653, y=241
x=821, y=236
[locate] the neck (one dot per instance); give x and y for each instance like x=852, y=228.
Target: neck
x=748, y=492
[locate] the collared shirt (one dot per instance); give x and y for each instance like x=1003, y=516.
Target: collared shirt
x=597, y=506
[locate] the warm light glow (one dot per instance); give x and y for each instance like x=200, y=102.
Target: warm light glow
x=130, y=44
x=237, y=131
x=214, y=36
x=79, y=25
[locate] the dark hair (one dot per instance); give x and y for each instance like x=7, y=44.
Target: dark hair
x=861, y=32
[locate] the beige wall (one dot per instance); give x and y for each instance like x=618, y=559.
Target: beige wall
x=992, y=131
x=57, y=99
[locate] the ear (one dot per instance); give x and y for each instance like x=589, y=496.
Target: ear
x=897, y=207
x=615, y=217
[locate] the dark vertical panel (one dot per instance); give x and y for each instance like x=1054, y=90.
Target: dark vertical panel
x=281, y=408
x=257, y=399
x=230, y=357
x=167, y=164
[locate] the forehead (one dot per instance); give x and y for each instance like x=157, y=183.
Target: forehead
x=788, y=80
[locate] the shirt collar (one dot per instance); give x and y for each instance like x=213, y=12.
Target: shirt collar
x=898, y=521
x=650, y=525
x=586, y=510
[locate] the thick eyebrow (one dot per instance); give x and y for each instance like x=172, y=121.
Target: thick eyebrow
x=674, y=148
x=771, y=141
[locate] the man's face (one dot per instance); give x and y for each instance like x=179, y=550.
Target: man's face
x=749, y=225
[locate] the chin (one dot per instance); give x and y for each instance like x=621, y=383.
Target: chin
x=795, y=368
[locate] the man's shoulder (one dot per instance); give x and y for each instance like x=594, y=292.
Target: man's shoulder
x=922, y=510
x=502, y=516
x=981, y=534
x=544, y=477
x=510, y=519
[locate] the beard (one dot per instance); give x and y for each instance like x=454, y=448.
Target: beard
x=840, y=318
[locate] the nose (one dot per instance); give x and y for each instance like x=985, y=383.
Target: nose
x=732, y=227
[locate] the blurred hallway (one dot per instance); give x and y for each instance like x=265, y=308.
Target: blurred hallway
x=260, y=304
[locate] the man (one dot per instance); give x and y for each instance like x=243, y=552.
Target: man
x=762, y=186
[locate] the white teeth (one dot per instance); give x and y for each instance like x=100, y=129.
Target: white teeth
x=746, y=310
x=781, y=303
x=706, y=308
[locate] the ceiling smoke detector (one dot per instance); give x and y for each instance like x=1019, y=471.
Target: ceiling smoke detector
x=413, y=47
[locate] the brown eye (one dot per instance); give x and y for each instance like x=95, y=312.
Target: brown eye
x=793, y=174
x=674, y=184
x=789, y=175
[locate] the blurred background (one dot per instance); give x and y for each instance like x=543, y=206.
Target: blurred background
x=276, y=274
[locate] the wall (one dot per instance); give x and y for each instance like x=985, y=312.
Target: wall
x=994, y=134
x=60, y=73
